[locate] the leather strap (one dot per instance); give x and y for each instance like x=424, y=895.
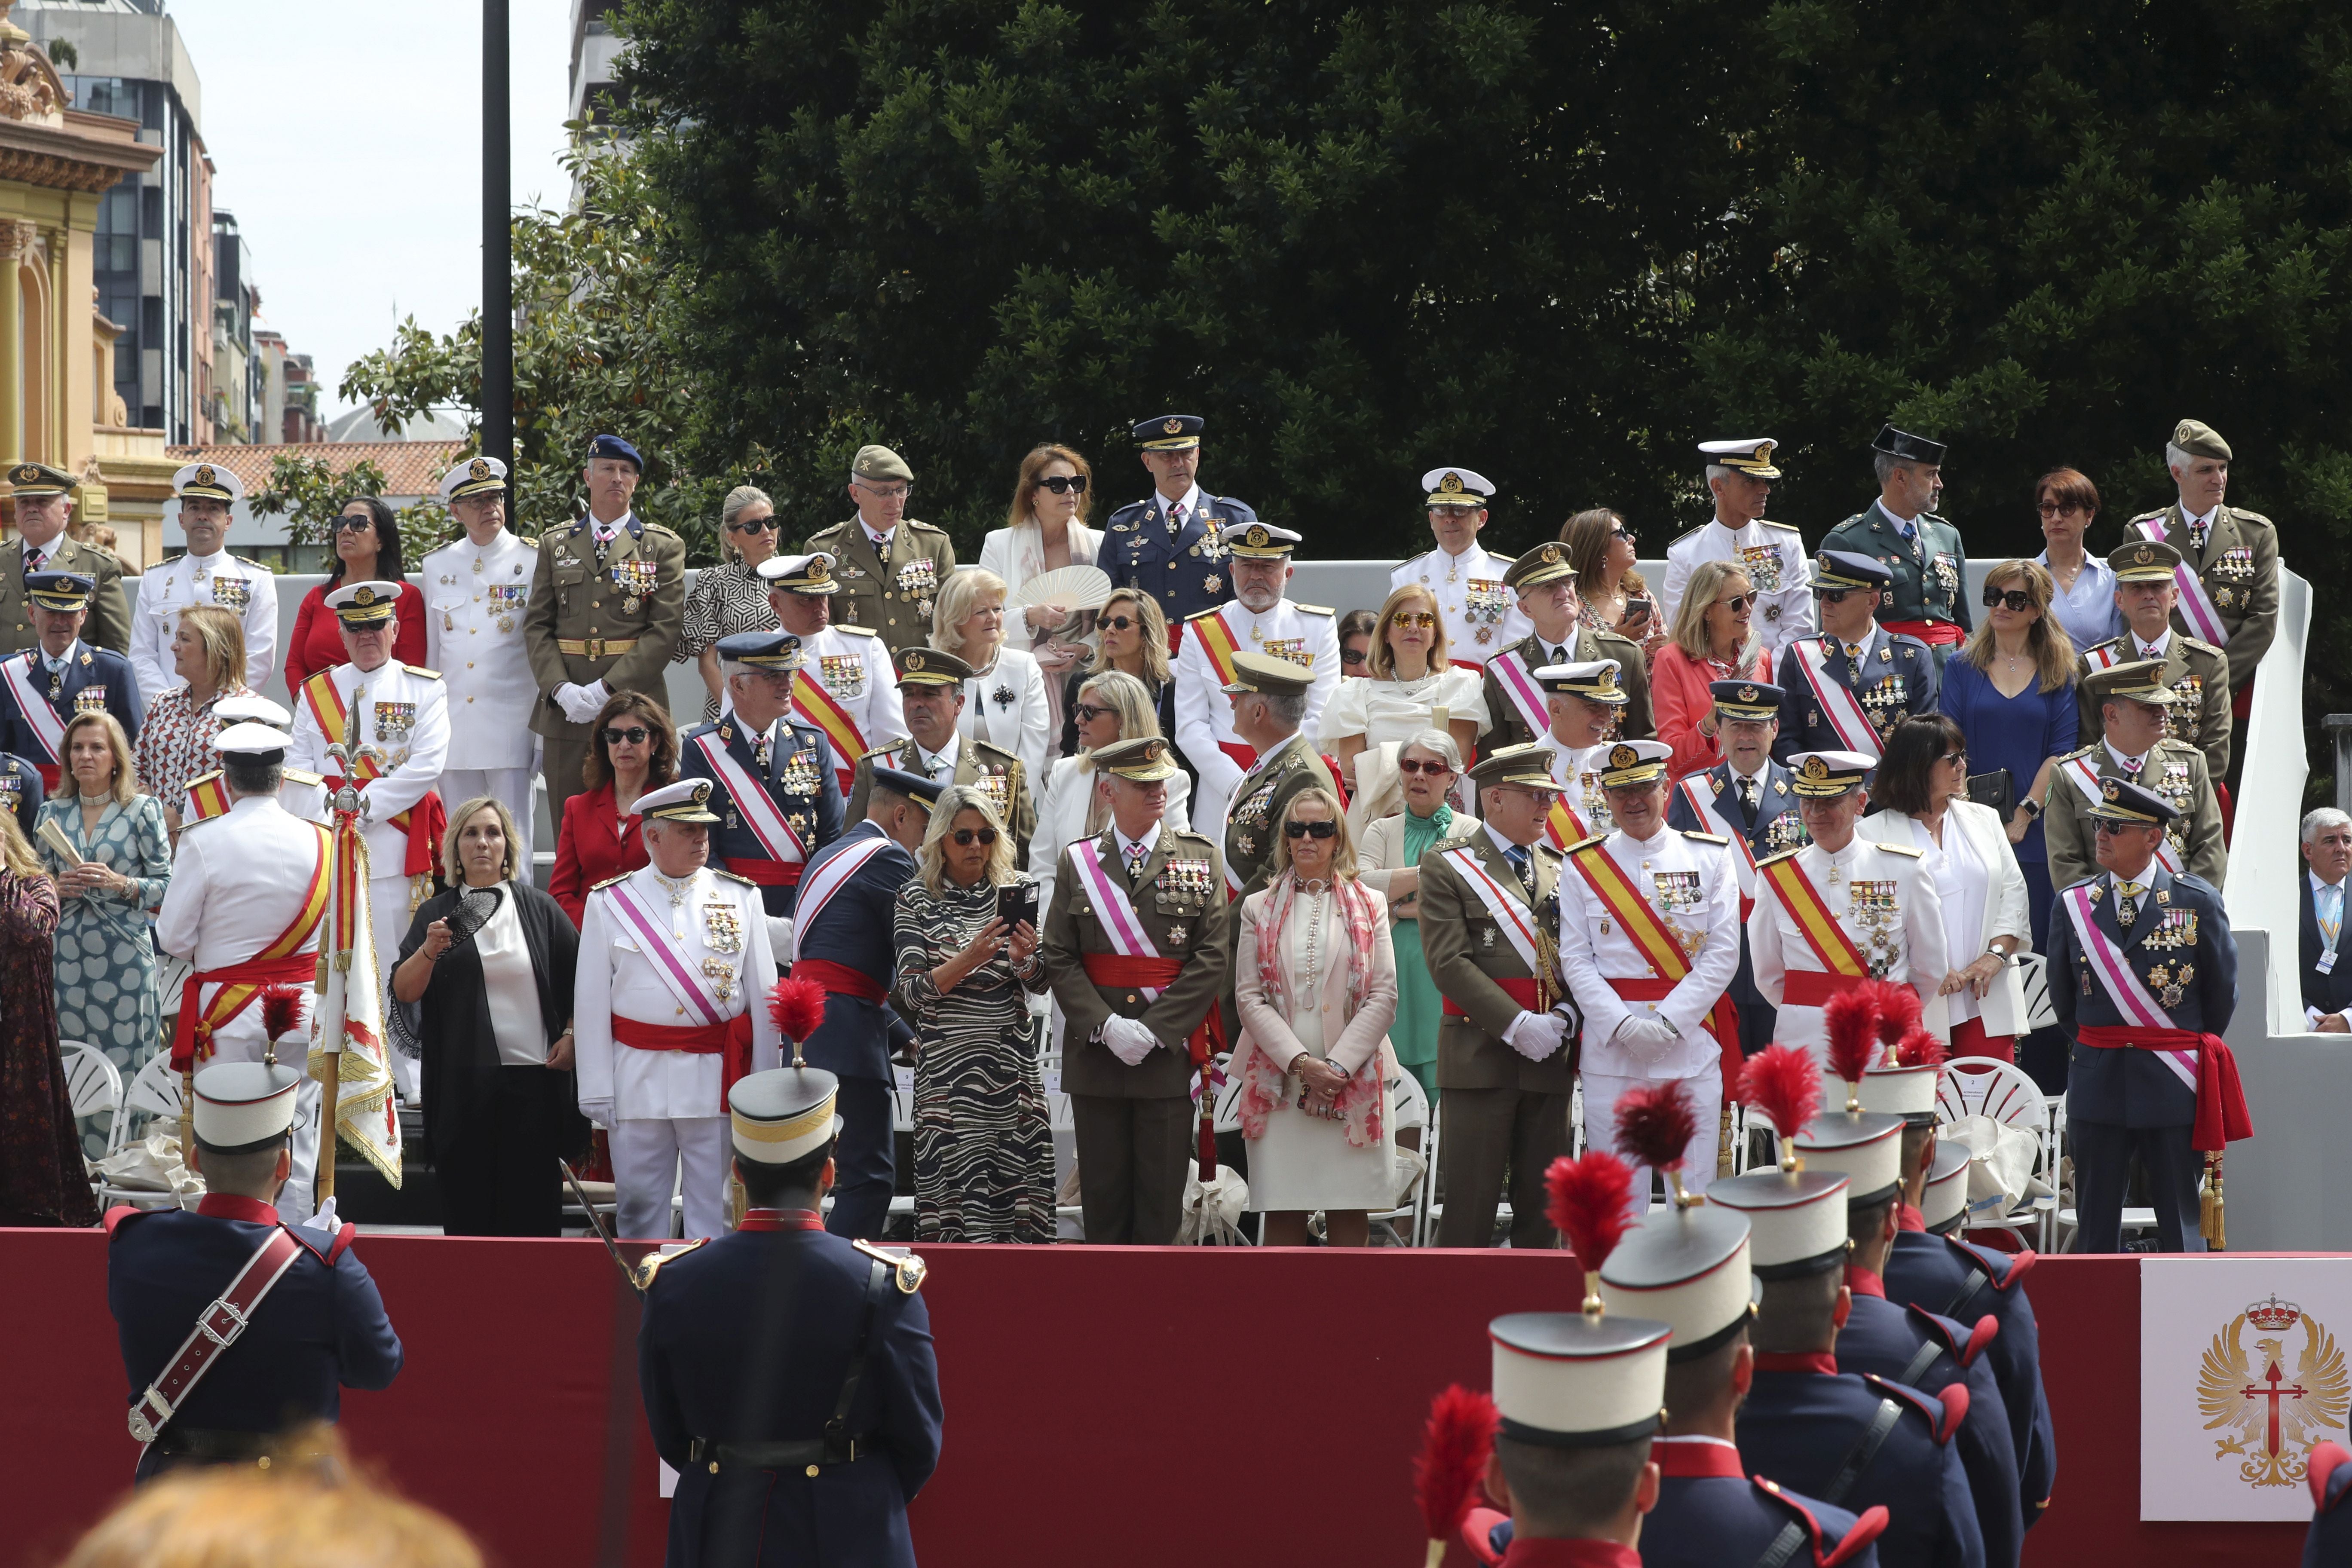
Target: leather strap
x=1917, y=1365
x=1784, y=1546
x=840, y=1448
x=768, y=1456
x=217, y=1329
x=1866, y=1450
x=1967, y=1294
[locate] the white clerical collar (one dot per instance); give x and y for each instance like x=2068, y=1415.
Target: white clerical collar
x=2153, y=649
x=2124, y=761
x=1149, y=841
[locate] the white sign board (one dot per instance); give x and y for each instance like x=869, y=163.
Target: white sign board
x=2242, y=1370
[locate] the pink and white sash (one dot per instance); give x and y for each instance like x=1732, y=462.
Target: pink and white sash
x=1511, y=673
x=1839, y=704
x=2196, y=604
x=2086, y=778
x=2114, y=972
x=2105, y=656
x=818, y=889
x=1698, y=789
x=1516, y=919
x=46, y=727
x=1119, y=921
x=679, y=975
x=751, y=798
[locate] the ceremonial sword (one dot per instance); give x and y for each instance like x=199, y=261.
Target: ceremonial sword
x=597, y=1226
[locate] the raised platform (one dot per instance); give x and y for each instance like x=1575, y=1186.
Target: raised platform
x=1129, y=1403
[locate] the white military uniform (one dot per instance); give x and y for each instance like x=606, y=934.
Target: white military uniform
x=1773, y=556
x=239, y=882
x=474, y=599
x=1578, y=767
x=1689, y=879
x=853, y=665
x=1303, y=634
x=1899, y=928
x=665, y=1107
x=228, y=581
x=1482, y=615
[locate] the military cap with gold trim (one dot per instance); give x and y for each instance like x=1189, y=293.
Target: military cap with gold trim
x=771, y=650
x=1547, y=563
x=1845, y=569
x=783, y=1114
x=2199, y=439
x=66, y=591
x=1145, y=759
x=1263, y=672
x=1457, y=487
x=1169, y=432
x=811, y=576
x=687, y=800
x=1258, y=541
x=253, y=709
x=1826, y=775
x=1752, y=699
x=473, y=477
x=1750, y=455
x=257, y=742
x=1524, y=766
x=1634, y=763
x=31, y=481
x=1594, y=679
x=2120, y=800
x=362, y=605
x=2143, y=560
x=207, y=481
x=929, y=667
x=2140, y=680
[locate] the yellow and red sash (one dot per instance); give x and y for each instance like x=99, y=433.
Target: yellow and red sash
x=282, y=960
x=1217, y=642
x=423, y=822
x=1642, y=927
x=207, y=797
x=1842, y=961
x=1563, y=826
x=813, y=702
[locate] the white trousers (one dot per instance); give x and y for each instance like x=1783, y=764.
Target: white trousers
x=388, y=923
x=512, y=786
x=1600, y=1095
x=298, y=1199
x=646, y=1154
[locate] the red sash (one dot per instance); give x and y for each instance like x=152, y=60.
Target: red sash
x=1112, y=970
x=840, y=979
x=1722, y=1019
x=2221, y=1114
x=282, y=960
x=1812, y=988
x=730, y=1041
x=1934, y=634
x=424, y=823
x=1622, y=900
x=1842, y=961
x=766, y=873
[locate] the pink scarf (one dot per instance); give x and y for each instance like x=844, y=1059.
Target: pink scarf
x=1361, y=1103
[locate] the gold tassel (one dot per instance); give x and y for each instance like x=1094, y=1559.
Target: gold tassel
x=2212, y=1223
x=1436, y=1554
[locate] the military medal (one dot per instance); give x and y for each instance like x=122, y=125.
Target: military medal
x=720, y=973
x=1212, y=585
x=722, y=929
x=800, y=775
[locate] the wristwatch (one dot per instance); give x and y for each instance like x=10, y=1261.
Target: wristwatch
x=2031, y=806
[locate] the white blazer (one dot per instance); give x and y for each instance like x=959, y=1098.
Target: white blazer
x=2005, y=912
x=1017, y=554
x=1006, y=708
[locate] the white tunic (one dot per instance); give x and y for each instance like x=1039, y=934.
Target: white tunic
x=1205, y=715
x=617, y=977
x=1482, y=615
x=1773, y=556
x=1692, y=886
x=403, y=713
x=238, y=880
x=1578, y=767
x=1901, y=933
x=1006, y=705
x=229, y=581
x=474, y=598
x=853, y=666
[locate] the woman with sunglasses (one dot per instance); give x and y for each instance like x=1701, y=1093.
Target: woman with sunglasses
x=1356, y=629
x=1603, y=547
x=1004, y=700
x=1427, y=765
x=1316, y=983
x=1110, y=706
x=632, y=748
x=1045, y=530
x=984, y=1149
x=2084, y=597
x=367, y=539
x=1714, y=639
x=731, y=597
x=1131, y=637
x=1413, y=680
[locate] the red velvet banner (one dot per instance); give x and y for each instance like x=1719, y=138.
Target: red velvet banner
x=1093, y=1396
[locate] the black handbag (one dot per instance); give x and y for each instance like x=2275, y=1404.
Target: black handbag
x=1996, y=789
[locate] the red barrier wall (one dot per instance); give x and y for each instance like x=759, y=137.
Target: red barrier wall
x=1144, y=1396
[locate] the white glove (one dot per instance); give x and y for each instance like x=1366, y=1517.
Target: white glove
x=1129, y=1040
x=779, y=938
x=598, y=695
x=1536, y=1035
x=599, y=1112
x=1646, y=1037
x=577, y=704
x=325, y=1218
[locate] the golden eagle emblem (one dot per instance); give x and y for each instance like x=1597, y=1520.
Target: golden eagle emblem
x=2270, y=1416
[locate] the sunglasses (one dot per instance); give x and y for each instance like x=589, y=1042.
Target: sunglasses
x=964, y=835
x=1120, y=623
x=757, y=525
x=2017, y=599
x=1737, y=602
x=1958, y=759
x=1351, y=656
x=1065, y=484
x=2102, y=826
x=1836, y=595
x=1087, y=713
x=635, y=735
x=2056, y=508
x=1627, y=535
x=1413, y=765
x=1422, y=619
x=1310, y=829
x=353, y=524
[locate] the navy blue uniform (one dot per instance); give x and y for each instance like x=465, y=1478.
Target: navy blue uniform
x=1709, y=1515
x=1896, y=680
x=1955, y=1279
x=1771, y=827
x=322, y=1328
x=801, y=779
x=748, y=1341
x=91, y=677
x=853, y=929
x=2328, y=1543
x=1913, y=1346
x=20, y=790
x=2125, y=1102
x=1800, y=1429
x=1187, y=573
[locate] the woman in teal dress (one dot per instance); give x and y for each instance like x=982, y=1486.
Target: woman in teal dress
x=1390, y=862
x=105, y=950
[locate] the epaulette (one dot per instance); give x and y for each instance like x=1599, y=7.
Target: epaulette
x=1581, y=844
x=1705, y=838
x=1313, y=609
x=1547, y=849
x=882, y=750
x=2082, y=751
x=420, y=670
x=858, y=631
x=649, y=1266
x=652, y=527
x=113, y=1219
x=607, y=882
x=1609, y=633
x=2000, y=1270
x=733, y=877
x=1964, y=1343
x=2239, y=511
x=905, y=1269
x=1868, y=1526
x=327, y=675
x=325, y=1248
x=2147, y=516
x=295, y=775
x=1775, y=859
x=530, y=539
x=1211, y=610
x=2109, y=643
x=920, y=526
x=242, y=561
x=2188, y=641
x=2178, y=744
x=1783, y=527
x=1689, y=533
x=1916, y=854
x=1195, y=836
x=1943, y=1411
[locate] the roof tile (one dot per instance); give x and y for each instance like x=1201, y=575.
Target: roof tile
x=410, y=468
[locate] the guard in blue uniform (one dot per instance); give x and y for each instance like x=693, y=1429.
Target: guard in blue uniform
x=1847, y=688
x=1851, y=1440
x=2164, y=941
x=62, y=672
x=842, y=935
x=20, y=790
x=788, y=1374
x=1927, y=596
x=1167, y=543
x=765, y=842
x=319, y=1328
x=2328, y=1543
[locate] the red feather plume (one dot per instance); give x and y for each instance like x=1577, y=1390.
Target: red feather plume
x=1784, y=1083
x=1898, y=1009
x=796, y=1007
x=1851, y=1021
x=1454, y=1448
x=1655, y=1124
x=1918, y=1048
x=1589, y=1200
x=281, y=1009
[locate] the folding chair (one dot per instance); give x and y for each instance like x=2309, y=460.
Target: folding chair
x=1986, y=1085
x=1408, y=1107
x=153, y=1091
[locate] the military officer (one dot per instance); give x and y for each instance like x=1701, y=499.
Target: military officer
x=1171, y=543
x=2133, y=708
x=1740, y=475
x=2230, y=581
x=2144, y=969
x=1582, y=702
x=779, y=785
x=930, y=701
x=607, y=604
x=1269, y=697
x=845, y=687
x=1927, y=596
x=672, y=1013
x=1546, y=588
x=207, y=794
x=1468, y=581
x=1847, y=688
x=788, y=1375
x=43, y=504
x=475, y=590
x=1137, y=947
x=1748, y=798
x=1262, y=620
x=207, y=574
x=62, y=675
x=1842, y=909
x=842, y=938
x=1489, y=915
x=2197, y=671
x=21, y=790
x=890, y=566
x=1649, y=939
x=291, y=1333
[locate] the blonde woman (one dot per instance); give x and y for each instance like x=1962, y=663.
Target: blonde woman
x=106, y=966
x=983, y=1152
x=175, y=738
x=1412, y=681
x=1316, y=983
x=1110, y=706
x=1132, y=636
x=1046, y=530
x=1005, y=701
x=1714, y=639
x=1428, y=764
x=732, y=596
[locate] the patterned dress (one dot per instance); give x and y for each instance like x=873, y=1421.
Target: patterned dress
x=175, y=743
x=983, y=1152
x=41, y=1176
x=726, y=600
x=106, y=963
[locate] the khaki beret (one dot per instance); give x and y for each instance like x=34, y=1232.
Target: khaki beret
x=2199, y=439
x=881, y=463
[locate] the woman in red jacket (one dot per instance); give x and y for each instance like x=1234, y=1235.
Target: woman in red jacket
x=367, y=549
x=633, y=747
x=1712, y=641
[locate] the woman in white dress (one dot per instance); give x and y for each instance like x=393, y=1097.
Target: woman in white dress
x=1045, y=531
x=1411, y=680
x=1005, y=701
x=1111, y=706
x=1315, y=986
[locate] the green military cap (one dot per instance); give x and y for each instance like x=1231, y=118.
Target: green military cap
x=2199, y=439
x=2141, y=680
x=2144, y=560
x=1544, y=563
x=1146, y=759
x=929, y=667
x=1262, y=672
x=1524, y=766
x=36, y=480
x=881, y=463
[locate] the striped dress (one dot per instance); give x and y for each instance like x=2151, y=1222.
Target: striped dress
x=983, y=1152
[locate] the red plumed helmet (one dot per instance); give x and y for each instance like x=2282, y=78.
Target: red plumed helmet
x=1898, y=1008
x=1655, y=1123
x=1852, y=1020
x=1785, y=1084
x=1589, y=1200
x=281, y=1009
x=1454, y=1448
x=1918, y=1048
x=796, y=1007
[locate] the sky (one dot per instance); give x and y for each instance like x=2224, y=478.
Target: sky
x=346, y=137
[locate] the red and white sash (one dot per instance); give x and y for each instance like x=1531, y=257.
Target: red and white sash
x=1698, y=789
x=2196, y=604
x=46, y=727
x=1119, y=921
x=751, y=798
x=829, y=878
x=1838, y=703
x=1516, y=919
x=2085, y=775
x=1511, y=673
x=2115, y=974
x=680, y=976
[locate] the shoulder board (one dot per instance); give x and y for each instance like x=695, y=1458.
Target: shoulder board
x=858, y=631
x=830, y=530
x=993, y=750
x=651, y=1264
x=920, y=526
x=1705, y=838
x=197, y=779
x=1581, y=844
x=2193, y=646
x=728, y=875
x=530, y=539
x=608, y=882
x=2169, y=743
x=420, y=670
x=1195, y=838
x=120, y=1214
x=324, y=678
x=1604, y=634
x=2242, y=515
x=293, y=775
x=2197, y=884
x=906, y=1267
x=325, y=1247
x=1773, y=859
x=1943, y=1413
x=1313, y=609
x=2111, y=642
x=241, y=561
x=1546, y=849
x=2082, y=751
x=1964, y=1343
x=881, y=750
x=1199, y=615
x=1689, y=534
x=1783, y=527
x=1851, y=521
x=1903, y=849
x=2000, y=1270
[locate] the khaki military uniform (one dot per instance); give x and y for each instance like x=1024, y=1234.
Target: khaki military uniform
x=1511, y=724
x=2174, y=770
x=2239, y=567
x=1255, y=817
x=997, y=772
x=892, y=598
x=2198, y=670
x=108, y=625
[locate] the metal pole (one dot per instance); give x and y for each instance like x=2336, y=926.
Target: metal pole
x=497, y=242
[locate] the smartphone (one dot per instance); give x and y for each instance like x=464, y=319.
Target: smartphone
x=1637, y=609
x=1017, y=902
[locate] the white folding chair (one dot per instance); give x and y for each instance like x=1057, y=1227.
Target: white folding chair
x=153, y=1091
x=92, y=1083
x=902, y=1119
x=1409, y=1107
x=1069, y=1219
x=1986, y=1085
x=2134, y=1219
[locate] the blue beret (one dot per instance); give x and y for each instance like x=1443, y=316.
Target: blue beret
x=614, y=446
